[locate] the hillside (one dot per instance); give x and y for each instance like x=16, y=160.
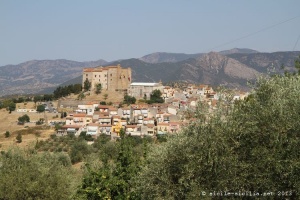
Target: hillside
x=263, y=62
x=238, y=50
x=160, y=57
x=233, y=69
x=37, y=75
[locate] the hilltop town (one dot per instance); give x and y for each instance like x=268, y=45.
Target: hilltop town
x=137, y=118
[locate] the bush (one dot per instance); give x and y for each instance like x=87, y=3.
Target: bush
x=79, y=150
x=23, y=119
x=7, y=134
x=19, y=138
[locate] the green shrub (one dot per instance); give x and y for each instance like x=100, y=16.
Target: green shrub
x=7, y=134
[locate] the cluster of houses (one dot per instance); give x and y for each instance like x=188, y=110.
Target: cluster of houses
x=142, y=119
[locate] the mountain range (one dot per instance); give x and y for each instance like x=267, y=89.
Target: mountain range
x=232, y=68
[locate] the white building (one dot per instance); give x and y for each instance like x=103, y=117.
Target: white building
x=143, y=90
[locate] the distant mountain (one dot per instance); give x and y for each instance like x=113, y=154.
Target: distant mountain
x=232, y=70
x=211, y=68
x=37, y=75
x=161, y=57
x=238, y=50
x=264, y=62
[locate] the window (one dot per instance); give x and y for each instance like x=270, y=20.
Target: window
x=86, y=75
x=95, y=75
x=110, y=74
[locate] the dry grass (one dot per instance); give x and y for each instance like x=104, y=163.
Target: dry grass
x=8, y=122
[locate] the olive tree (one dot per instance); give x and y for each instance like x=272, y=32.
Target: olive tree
x=252, y=146
x=31, y=175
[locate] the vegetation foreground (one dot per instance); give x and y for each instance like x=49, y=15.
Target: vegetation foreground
x=249, y=149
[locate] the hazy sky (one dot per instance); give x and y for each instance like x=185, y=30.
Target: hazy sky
x=121, y=29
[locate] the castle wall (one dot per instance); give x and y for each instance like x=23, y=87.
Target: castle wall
x=112, y=78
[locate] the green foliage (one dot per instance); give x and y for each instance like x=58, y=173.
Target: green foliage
x=81, y=96
x=129, y=100
x=98, y=88
x=37, y=98
x=87, y=85
x=297, y=65
x=63, y=91
x=102, y=103
x=253, y=146
x=86, y=137
x=112, y=181
x=7, y=134
x=105, y=96
x=23, y=119
x=155, y=97
x=28, y=175
x=9, y=104
x=19, y=138
x=40, y=108
x=63, y=114
x=79, y=150
x=40, y=121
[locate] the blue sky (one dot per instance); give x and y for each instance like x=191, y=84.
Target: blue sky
x=118, y=29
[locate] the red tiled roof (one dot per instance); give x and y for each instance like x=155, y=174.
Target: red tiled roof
x=93, y=124
x=70, y=126
x=163, y=124
x=104, y=125
x=79, y=115
x=131, y=126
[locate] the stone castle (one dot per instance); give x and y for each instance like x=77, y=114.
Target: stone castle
x=111, y=78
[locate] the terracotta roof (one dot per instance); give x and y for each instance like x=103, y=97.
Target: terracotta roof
x=104, y=113
x=70, y=126
x=104, y=117
x=104, y=125
x=79, y=115
x=103, y=106
x=163, y=124
x=150, y=125
x=131, y=126
x=88, y=69
x=93, y=124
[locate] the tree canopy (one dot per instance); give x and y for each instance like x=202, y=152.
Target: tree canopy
x=23, y=119
x=253, y=146
x=40, y=108
x=87, y=85
x=155, y=97
x=31, y=175
x=129, y=99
